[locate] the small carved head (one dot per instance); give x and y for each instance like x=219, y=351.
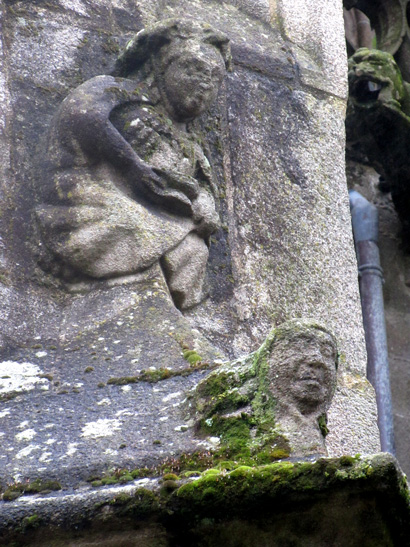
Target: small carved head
x=374, y=77
x=302, y=366
x=189, y=60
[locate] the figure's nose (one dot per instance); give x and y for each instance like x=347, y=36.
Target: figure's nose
x=316, y=356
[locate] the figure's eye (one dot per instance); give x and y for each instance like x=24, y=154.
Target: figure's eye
x=327, y=350
x=366, y=91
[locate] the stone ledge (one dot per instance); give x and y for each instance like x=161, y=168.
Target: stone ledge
x=345, y=501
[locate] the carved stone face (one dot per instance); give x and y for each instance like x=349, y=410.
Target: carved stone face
x=374, y=77
x=190, y=80
x=303, y=372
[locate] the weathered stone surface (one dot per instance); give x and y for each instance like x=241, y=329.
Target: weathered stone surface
x=318, y=43
x=275, y=142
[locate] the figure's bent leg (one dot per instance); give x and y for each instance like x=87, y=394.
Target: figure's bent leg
x=184, y=268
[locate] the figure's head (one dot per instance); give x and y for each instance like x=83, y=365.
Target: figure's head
x=188, y=77
x=374, y=77
x=303, y=366
x=189, y=60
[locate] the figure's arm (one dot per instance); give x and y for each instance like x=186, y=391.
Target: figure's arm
x=84, y=125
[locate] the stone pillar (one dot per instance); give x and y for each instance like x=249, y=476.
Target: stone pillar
x=107, y=362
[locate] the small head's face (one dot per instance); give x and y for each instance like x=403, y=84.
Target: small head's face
x=374, y=78
x=303, y=371
x=191, y=80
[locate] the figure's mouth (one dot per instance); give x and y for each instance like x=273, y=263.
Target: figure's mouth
x=366, y=91
x=310, y=380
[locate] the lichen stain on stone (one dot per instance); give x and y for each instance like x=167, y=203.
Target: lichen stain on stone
x=20, y=377
x=26, y=435
x=101, y=428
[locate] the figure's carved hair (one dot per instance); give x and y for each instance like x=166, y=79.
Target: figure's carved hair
x=149, y=41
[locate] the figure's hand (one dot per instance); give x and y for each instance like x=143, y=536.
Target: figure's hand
x=177, y=181
x=153, y=184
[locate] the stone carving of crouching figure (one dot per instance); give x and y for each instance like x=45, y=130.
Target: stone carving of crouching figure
x=281, y=392
x=128, y=185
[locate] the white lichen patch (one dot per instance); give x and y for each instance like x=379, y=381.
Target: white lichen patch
x=110, y=452
x=4, y=413
x=50, y=441
x=125, y=412
x=45, y=457
x=104, y=402
x=41, y=354
x=19, y=377
x=101, y=428
x=27, y=451
x=214, y=440
x=171, y=396
x=72, y=449
x=26, y=435
x=126, y=388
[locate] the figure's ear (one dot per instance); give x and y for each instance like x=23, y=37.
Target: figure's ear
x=221, y=42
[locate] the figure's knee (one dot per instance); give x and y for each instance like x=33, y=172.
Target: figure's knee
x=184, y=268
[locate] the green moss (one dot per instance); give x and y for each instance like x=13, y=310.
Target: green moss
x=215, y=385
x=48, y=377
x=106, y=481
x=235, y=433
x=121, y=499
x=347, y=461
x=192, y=356
x=141, y=505
x=110, y=45
x=170, y=477
x=322, y=421
x=11, y=495
x=32, y=521
x=244, y=484
x=35, y=487
x=158, y=375
x=189, y=474
x=142, y=472
x=167, y=487
x=88, y=369
x=127, y=477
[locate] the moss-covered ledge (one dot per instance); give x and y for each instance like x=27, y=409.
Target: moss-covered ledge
x=345, y=501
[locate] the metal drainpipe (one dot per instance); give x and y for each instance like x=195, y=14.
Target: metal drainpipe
x=365, y=232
